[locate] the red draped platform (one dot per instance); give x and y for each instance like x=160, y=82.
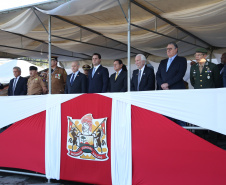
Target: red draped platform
x=162, y=152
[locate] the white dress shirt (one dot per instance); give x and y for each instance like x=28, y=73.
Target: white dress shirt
x=15, y=82
x=142, y=70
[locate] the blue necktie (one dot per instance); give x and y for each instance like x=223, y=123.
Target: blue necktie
x=72, y=79
x=139, y=74
x=168, y=64
x=93, y=72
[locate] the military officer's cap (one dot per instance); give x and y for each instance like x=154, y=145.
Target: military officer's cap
x=33, y=68
x=54, y=58
x=86, y=67
x=201, y=50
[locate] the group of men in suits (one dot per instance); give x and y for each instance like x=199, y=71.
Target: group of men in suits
x=97, y=80
x=169, y=76
x=170, y=73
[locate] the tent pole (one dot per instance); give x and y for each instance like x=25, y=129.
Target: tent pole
x=128, y=47
x=49, y=43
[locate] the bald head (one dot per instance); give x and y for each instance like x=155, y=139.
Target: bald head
x=75, y=66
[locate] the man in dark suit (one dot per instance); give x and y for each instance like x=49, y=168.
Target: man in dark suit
x=76, y=82
x=1, y=86
x=143, y=78
x=221, y=68
x=171, y=70
x=118, y=80
x=18, y=85
x=98, y=76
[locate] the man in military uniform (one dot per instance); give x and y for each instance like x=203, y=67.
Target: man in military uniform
x=204, y=74
x=35, y=84
x=86, y=69
x=58, y=77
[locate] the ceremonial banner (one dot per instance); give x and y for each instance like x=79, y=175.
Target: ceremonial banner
x=86, y=139
x=89, y=137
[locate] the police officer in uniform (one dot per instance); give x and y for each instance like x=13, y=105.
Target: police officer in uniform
x=35, y=84
x=86, y=69
x=204, y=74
x=58, y=77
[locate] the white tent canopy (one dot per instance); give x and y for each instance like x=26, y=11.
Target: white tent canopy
x=6, y=69
x=82, y=27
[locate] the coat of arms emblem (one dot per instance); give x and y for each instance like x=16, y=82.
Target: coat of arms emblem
x=87, y=138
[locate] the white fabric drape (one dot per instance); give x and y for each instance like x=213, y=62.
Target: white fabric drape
x=203, y=107
x=53, y=138
x=53, y=134
x=15, y=108
x=121, y=146
x=76, y=7
x=207, y=22
x=24, y=22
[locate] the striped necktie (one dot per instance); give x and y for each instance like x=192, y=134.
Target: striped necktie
x=14, y=84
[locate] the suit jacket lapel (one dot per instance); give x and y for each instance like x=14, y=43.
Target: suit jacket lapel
x=118, y=75
x=75, y=78
x=144, y=73
x=97, y=71
x=18, y=83
x=172, y=63
x=136, y=78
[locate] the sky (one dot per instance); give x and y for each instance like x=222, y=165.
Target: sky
x=10, y=4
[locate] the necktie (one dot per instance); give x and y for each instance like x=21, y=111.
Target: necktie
x=139, y=74
x=168, y=64
x=93, y=72
x=200, y=68
x=51, y=70
x=116, y=76
x=72, y=78
x=14, y=85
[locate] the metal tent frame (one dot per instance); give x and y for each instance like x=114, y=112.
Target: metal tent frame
x=129, y=24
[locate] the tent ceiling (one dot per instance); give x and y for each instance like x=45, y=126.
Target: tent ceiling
x=99, y=26
x=162, y=6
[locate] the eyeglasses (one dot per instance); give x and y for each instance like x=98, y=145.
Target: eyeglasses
x=169, y=49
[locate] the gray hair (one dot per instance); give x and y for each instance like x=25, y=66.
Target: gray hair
x=173, y=43
x=142, y=57
x=76, y=62
x=18, y=68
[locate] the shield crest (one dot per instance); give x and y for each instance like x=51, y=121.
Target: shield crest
x=87, y=138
